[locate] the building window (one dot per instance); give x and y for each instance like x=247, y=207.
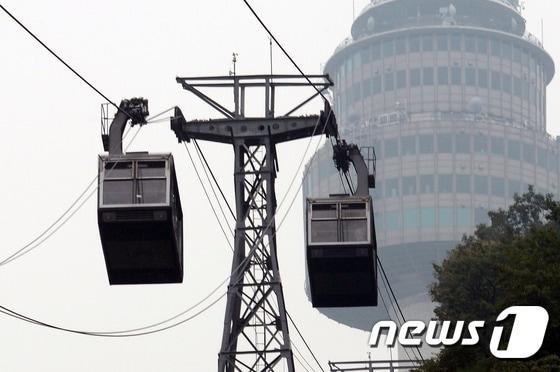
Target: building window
x=529, y=153
x=392, y=221
x=375, y=52
x=552, y=161
x=463, y=183
x=365, y=56
x=456, y=75
x=498, y=146
x=378, y=190
x=415, y=77
x=408, y=145
x=516, y=54
x=445, y=183
x=481, y=185
x=470, y=44
x=517, y=86
x=480, y=144
x=514, y=150
x=506, y=50
x=455, y=42
x=392, y=188
x=427, y=43
x=409, y=185
x=445, y=143
x=427, y=184
x=414, y=44
x=389, y=81
x=426, y=142
x=443, y=75
x=357, y=88
x=482, y=44
x=357, y=63
x=442, y=42
x=401, y=79
x=463, y=143
x=388, y=48
x=506, y=83
x=481, y=216
x=463, y=217
x=427, y=217
x=428, y=75
x=496, y=48
x=498, y=187
x=483, y=78
x=496, y=80
x=411, y=218
x=470, y=76
x=378, y=221
x=391, y=148
x=541, y=157
x=400, y=46
x=446, y=217
x=514, y=187
x=376, y=85
x=366, y=87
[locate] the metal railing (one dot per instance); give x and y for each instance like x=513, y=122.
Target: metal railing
x=510, y=3
x=374, y=365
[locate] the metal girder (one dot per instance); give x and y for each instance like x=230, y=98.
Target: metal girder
x=253, y=129
x=241, y=83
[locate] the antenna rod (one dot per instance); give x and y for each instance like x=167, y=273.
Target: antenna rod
x=542, y=31
x=270, y=47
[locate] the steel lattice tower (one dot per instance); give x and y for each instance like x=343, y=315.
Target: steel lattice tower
x=255, y=336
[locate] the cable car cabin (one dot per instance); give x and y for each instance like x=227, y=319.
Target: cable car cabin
x=341, y=252
x=140, y=219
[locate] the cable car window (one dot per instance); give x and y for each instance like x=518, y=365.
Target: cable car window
x=118, y=170
x=353, y=210
x=324, y=231
x=148, y=169
x=354, y=230
x=322, y=211
x=118, y=192
x=152, y=191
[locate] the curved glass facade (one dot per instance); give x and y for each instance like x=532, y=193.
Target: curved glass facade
x=454, y=102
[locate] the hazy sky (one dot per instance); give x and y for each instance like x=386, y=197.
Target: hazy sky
x=49, y=142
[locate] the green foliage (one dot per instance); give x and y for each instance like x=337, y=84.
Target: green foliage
x=513, y=261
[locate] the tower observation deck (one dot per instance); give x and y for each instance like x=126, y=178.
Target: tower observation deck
x=452, y=95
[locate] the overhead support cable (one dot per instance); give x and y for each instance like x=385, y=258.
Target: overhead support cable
x=214, y=178
x=60, y=59
x=208, y=197
x=394, y=298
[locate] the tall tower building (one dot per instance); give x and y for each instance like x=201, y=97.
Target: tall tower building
x=452, y=95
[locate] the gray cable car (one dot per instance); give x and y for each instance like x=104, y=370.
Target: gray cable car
x=341, y=245
x=139, y=212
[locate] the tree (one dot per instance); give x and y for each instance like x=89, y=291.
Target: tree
x=513, y=261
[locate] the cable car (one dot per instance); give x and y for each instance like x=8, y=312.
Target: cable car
x=341, y=245
x=341, y=252
x=140, y=219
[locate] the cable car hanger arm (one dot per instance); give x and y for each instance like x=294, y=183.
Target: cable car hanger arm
x=343, y=155
x=134, y=109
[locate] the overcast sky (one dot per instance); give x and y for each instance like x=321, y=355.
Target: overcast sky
x=49, y=142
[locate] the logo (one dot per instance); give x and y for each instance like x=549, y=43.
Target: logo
x=525, y=340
